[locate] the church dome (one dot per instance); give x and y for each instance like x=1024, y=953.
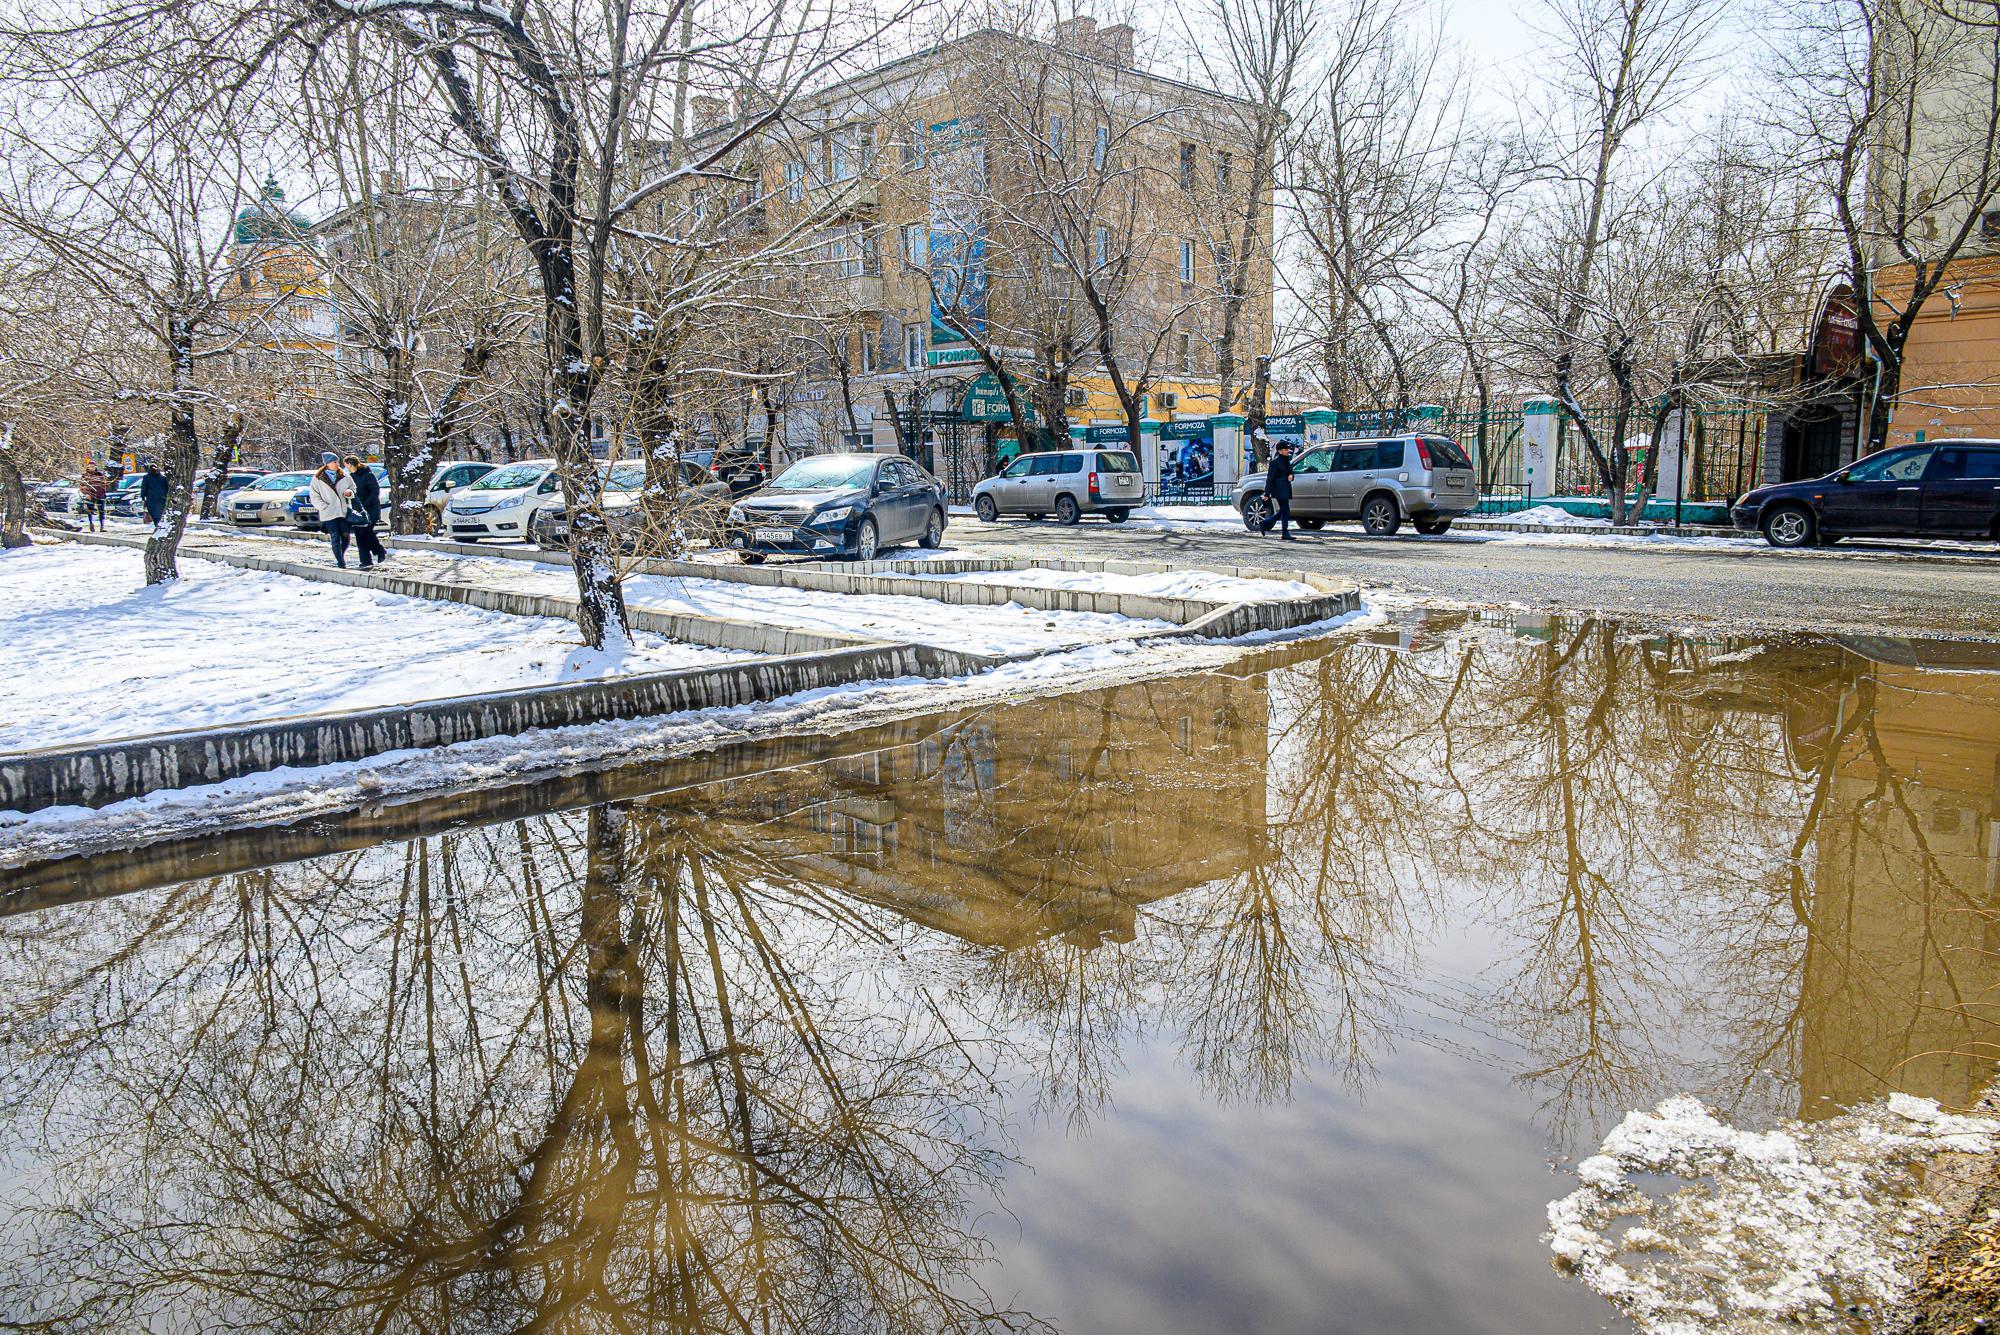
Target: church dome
x=268, y=219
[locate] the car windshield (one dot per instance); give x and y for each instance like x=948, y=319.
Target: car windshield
x=281, y=481
x=1118, y=461
x=512, y=478
x=825, y=474
x=626, y=477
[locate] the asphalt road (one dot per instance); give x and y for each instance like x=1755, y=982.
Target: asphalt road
x=1852, y=588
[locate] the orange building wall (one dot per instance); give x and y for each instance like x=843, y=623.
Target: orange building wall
x=1951, y=367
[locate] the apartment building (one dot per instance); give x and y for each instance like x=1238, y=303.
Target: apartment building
x=987, y=205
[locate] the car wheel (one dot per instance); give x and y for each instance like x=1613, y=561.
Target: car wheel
x=1379, y=515
x=1256, y=509
x=933, y=531
x=1117, y=516
x=987, y=509
x=1433, y=527
x=1310, y=525
x=867, y=541
x=1066, y=510
x=1788, y=526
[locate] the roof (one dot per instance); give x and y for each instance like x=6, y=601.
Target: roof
x=268, y=219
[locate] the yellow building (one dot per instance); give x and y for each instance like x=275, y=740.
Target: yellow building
x=285, y=322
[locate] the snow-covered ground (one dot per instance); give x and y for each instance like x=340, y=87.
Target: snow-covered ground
x=1773, y=1231
x=1203, y=585
x=89, y=653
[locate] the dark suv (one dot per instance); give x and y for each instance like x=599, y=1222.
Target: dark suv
x=1941, y=489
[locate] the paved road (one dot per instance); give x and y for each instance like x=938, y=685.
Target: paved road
x=1850, y=589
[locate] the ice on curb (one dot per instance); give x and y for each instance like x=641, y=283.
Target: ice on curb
x=1769, y=1228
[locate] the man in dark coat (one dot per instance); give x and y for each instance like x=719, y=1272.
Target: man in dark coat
x=1278, y=491
x=153, y=493
x=367, y=500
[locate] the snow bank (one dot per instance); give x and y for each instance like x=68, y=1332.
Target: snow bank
x=1202, y=585
x=1554, y=515
x=90, y=653
x=1772, y=1228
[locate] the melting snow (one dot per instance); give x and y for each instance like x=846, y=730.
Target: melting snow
x=1771, y=1228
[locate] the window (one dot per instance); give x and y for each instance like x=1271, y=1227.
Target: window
x=1989, y=225
x=853, y=253
x=1117, y=461
x=1221, y=173
x=867, y=352
x=1314, y=461
x=1187, y=166
x=1389, y=454
x=698, y=206
x=1047, y=465
x=913, y=151
x=1353, y=458
x=1891, y=466
x=1021, y=467
x=1187, y=352
x=795, y=181
x=1100, y=246
x=916, y=245
x=1069, y=463
x=1100, y=148
x=913, y=348
x=1056, y=135
x=850, y=151
x=1953, y=464
x=1446, y=453
x=1187, y=261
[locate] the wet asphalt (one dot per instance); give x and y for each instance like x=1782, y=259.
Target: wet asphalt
x=1853, y=588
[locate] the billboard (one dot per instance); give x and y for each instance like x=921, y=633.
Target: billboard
x=956, y=153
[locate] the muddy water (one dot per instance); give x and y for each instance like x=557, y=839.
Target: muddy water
x=1275, y=1000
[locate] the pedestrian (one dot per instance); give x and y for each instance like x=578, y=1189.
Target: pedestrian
x=153, y=494
x=94, y=487
x=1278, y=491
x=332, y=497
x=366, y=512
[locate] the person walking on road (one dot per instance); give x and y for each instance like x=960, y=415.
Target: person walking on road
x=94, y=486
x=366, y=512
x=153, y=494
x=332, y=497
x=1278, y=491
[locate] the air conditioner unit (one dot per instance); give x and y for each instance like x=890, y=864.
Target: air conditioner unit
x=1075, y=398
x=1166, y=400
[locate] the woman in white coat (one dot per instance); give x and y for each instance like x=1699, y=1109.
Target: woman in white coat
x=332, y=497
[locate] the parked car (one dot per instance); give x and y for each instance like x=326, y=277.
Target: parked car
x=1067, y=484
x=1427, y=480
x=265, y=501
x=840, y=504
x=60, y=497
x=1941, y=489
x=702, y=501
x=503, y=503
x=306, y=515
x=451, y=476
x=123, y=498
x=237, y=480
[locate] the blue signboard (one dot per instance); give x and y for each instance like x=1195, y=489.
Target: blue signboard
x=957, y=255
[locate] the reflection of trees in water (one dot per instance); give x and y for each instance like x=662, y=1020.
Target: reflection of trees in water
x=581, y=1073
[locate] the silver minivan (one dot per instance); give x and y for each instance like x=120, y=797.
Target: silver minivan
x=1067, y=484
x=1427, y=480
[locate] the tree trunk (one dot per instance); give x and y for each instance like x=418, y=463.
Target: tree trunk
x=218, y=465
x=13, y=497
x=409, y=467
x=183, y=457
x=1256, y=415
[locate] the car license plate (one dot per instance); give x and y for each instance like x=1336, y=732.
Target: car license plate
x=1458, y=479
x=772, y=534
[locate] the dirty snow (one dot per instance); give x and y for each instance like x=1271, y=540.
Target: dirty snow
x=1201, y=585
x=289, y=794
x=1770, y=1229
x=90, y=653
x=1553, y=515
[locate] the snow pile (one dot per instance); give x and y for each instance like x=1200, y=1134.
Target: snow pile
x=1202, y=585
x=1772, y=1228
x=90, y=653
x=1554, y=515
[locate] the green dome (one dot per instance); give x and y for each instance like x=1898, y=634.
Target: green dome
x=269, y=219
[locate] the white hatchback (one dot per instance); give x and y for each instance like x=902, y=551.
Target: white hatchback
x=504, y=503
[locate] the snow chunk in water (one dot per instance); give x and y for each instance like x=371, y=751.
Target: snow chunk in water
x=1781, y=1226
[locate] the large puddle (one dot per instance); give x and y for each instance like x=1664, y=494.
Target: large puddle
x=1273, y=1001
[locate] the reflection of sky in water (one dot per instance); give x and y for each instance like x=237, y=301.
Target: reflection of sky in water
x=1294, y=996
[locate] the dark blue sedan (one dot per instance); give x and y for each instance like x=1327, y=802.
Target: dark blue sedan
x=839, y=505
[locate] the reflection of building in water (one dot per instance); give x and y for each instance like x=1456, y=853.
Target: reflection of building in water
x=1059, y=817
x=1902, y=974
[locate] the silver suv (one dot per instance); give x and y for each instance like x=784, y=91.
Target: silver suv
x=1067, y=484
x=1425, y=479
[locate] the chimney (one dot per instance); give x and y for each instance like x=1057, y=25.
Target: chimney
x=1114, y=45
x=1078, y=34
x=709, y=112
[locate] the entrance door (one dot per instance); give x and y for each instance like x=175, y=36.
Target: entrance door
x=1812, y=444
x=1962, y=491
x=1879, y=494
